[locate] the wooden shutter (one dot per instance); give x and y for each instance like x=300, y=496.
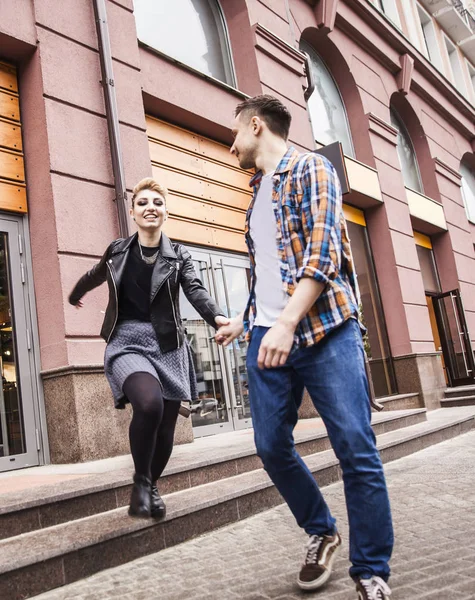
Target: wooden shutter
x=12, y=171
x=208, y=192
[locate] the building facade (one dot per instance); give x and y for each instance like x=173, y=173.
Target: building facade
x=392, y=81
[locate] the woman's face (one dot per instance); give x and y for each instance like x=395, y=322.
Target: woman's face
x=149, y=210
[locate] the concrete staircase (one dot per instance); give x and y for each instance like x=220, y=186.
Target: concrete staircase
x=459, y=396
x=58, y=533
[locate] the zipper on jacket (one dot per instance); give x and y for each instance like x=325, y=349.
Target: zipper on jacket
x=116, y=300
x=174, y=314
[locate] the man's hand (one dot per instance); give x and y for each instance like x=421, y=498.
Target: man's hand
x=275, y=346
x=220, y=320
x=229, y=331
x=79, y=304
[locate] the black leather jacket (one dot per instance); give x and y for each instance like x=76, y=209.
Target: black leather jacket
x=174, y=268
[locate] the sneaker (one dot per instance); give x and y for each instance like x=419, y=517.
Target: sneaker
x=321, y=552
x=373, y=588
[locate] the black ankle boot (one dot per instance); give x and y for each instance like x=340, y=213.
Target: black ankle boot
x=159, y=510
x=141, y=498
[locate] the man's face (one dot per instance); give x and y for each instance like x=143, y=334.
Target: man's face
x=245, y=144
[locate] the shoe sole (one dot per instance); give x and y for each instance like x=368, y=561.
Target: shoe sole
x=322, y=580
x=139, y=515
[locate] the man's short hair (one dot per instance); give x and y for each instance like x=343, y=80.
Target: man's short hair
x=271, y=110
x=149, y=184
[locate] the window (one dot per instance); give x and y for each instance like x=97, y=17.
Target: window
x=407, y=156
x=455, y=73
x=471, y=75
x=429, y=36
x=327, y=111
x=191, y=31
x=389, y=8
x=468, y=189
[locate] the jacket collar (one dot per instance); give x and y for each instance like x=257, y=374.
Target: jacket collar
x=285, y=165
x=166, y=247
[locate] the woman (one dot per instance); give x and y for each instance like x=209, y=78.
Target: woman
x=147, y=359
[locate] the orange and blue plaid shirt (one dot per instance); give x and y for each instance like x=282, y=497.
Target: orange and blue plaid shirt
x=312, y=241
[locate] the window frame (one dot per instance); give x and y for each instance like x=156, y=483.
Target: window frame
x=318, y=143
x=225, y=45
x=404, y=131
x=432, y=46
x=467, y=205
x=457, y=79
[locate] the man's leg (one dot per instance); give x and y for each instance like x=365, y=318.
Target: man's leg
x=334, y=374
x=274, y=397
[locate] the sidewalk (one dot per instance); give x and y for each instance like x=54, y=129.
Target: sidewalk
x=433, y=501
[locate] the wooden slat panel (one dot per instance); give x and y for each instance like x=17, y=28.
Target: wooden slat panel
x=10, y=135
x=173, y=135
x=11, y=166
x=8, y=78
x=12, y=197
x=209, y=193
x=189, y=208
x=190, y=141
x=9, y=106
x=196, y=233
x=195, y=186
x=192, y=163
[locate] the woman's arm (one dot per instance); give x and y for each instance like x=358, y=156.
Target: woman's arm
x=90, y=280
x=196, y=293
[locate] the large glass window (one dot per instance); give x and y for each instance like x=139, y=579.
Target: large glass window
x=407, y=156
x=327, y=111
x=468, y=190
x=371, y=312
x=192, y=31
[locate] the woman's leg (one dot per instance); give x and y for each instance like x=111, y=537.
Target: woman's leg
x=145, y=395
x=164, y=439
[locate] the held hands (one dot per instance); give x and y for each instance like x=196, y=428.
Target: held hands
x=229, y=330
x=276, y=345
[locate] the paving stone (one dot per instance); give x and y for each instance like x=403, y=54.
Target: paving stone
x=432, y=494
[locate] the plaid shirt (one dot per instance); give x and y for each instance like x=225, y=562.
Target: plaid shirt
x=312, y=241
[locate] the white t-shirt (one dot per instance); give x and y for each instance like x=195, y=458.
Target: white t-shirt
x=270, y=296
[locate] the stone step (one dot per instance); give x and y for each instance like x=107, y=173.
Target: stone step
x=35, y=562
x=401, y=402
x=458, y=401
x=204, y=461
x=463, y=390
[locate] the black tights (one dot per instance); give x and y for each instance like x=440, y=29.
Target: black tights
x=153, y=424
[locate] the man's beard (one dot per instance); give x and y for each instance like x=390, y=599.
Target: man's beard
x=247, y=161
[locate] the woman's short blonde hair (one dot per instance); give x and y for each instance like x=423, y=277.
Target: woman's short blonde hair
x=149, y=184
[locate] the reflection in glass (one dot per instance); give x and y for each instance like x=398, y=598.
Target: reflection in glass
x=211, y=406
x=327, y=111
x=428, y=269
x=468, y=190
x=12, y=435
x=232, y=284
x=192, y=31
x=371, y=313
x=407, y=156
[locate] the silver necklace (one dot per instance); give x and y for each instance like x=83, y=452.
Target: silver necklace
x=148, y=260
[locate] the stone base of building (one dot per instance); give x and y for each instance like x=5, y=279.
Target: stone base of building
x=82, y=422
x=422, y=373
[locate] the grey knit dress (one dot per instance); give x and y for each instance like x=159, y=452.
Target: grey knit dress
x=134, y=348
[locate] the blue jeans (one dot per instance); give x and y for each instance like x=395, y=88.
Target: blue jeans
x=334, y=375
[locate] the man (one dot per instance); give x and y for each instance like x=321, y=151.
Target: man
x=302, y=323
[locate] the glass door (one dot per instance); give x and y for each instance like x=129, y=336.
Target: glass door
x=223, y=402
x=211, y=411
x=18, y=435
x=455, y=339
x=232, y=279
